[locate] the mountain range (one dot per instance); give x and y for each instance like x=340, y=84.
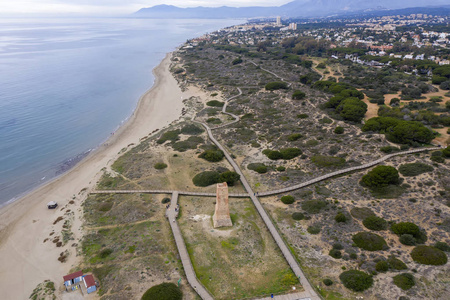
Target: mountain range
x=296, y=8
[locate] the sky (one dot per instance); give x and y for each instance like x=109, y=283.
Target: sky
x=113, y=7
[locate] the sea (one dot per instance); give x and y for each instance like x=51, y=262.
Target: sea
x=67, y=84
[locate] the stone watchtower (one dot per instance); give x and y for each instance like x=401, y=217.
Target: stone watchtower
x=221, y=216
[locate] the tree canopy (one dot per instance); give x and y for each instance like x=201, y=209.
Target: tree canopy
x=381, y=176
x=163, y=291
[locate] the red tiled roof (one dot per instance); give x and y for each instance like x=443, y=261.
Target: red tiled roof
x=72, y=276
x=89, y=279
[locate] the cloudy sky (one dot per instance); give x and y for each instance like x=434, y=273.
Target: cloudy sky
x=113, y=7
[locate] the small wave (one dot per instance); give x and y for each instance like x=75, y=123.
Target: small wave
x=69, y=163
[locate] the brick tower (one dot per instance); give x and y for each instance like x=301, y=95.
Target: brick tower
x=221, y=216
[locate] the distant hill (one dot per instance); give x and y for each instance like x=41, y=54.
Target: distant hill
x=297, y=8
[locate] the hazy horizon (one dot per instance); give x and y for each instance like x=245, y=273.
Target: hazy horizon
x=98, y=8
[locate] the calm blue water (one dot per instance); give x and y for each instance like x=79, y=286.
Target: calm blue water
x=65, y=85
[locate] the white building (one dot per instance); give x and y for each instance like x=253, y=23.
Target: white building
x=278, y=21
x=293, y=26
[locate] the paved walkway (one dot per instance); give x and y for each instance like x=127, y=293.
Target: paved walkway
x=172, y=214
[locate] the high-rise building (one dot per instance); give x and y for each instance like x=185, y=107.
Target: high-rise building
x=278, y=21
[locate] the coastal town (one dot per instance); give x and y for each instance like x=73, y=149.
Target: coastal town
x=381, y=40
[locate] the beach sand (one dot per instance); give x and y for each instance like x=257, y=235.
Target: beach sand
x=25, y=260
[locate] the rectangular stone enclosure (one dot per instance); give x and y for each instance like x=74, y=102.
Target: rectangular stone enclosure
x=221, y=216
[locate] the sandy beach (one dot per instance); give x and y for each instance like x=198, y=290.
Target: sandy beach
x=25, y=259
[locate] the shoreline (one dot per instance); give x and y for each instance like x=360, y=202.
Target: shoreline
x=26, y=222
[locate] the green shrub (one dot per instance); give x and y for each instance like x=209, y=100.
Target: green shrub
x=443, y=246
x=382, y=266
x=361, y=213
x=396, y=263
x=288, y=199
x=171, y=135
x=215, y=103
x=272, y=154
x=313, y=229
x=325, y=120
x=355, y=280
x=375, y=223
x=302, y=116
x=335, y=253
x=191, y=143
x=313, y=206
x=105, y=253
x=287, y=153
x=298, y=216
x=237, y=61
x=192, y=129
x=428, y=255
x=230, y=177
x=163, y=291
x=407, y=239
x=298, y=95
x=400, y=131
x=165, y=200
x=327, y=161
x=407, y=228
x=294, y=137
x=206, y=178
x=276, y=85
x=369, y=241
x=281, y=168
x=394, y=102
x=160, y=166
x=257, y=167
x=446, y=151
x=436, y=79
x=340, y=218
x=327, y=282
x=321, y=65
x=438, y=159
x=290, y=153
x=381, y=176
x=312, y=143
x=414, y=169
x=339, y=130
x=338, y=246
x=405, y=281
x=213, y=120
x=212, y=155
x=352, y=109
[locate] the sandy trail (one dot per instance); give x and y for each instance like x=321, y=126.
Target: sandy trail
x=25, y=259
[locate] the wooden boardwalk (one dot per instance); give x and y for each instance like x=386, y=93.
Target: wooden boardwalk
x=172, y=214
x=273, y=192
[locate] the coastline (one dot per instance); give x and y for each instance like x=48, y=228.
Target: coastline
x=26, y=222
